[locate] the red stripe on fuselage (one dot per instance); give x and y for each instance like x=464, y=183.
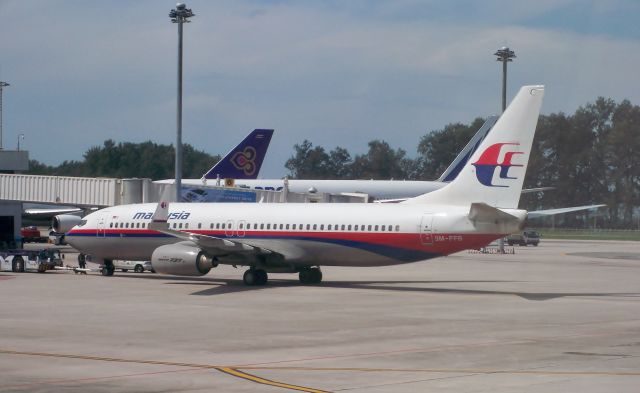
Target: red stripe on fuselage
x=441, y=243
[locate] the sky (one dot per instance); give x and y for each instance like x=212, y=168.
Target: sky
x=338, y=73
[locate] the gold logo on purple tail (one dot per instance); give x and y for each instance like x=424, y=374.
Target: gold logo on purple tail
x=245, y=160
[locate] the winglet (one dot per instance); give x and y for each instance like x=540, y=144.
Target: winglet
x=160, y=216
x=243, y=161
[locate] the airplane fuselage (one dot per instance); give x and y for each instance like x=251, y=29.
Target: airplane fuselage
x=303, y=234
x=378, y=189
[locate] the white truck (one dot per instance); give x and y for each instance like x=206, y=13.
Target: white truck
x=19, y=261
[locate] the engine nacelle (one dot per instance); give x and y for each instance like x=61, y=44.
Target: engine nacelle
x=62, y=223
x=182, y=259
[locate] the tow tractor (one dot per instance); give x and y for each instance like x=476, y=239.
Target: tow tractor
x=19, y=261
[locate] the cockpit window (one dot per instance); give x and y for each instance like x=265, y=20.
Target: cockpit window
x=82, y=222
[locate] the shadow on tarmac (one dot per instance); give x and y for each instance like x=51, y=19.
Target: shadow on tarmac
x=226, y=286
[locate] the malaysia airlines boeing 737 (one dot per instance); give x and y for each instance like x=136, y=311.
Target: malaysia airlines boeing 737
x=480, y=205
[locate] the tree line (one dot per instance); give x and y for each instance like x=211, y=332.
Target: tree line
x=591, y=156
x=129, y=160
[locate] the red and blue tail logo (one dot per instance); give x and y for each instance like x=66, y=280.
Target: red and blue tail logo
x=488, y=162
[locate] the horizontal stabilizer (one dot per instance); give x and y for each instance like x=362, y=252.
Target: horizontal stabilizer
x=553, y=212
x=481, y=212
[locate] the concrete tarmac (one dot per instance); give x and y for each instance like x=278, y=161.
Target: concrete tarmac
x=561, y=317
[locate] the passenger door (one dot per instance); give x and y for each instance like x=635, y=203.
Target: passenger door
x=101, y=228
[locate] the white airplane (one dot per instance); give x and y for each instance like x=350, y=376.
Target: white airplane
x=479, y=206
x=381, y=190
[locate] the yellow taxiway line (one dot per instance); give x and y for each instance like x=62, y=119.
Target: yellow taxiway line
x=235, y=370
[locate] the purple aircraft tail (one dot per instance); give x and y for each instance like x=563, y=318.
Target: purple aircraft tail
x=245, y=160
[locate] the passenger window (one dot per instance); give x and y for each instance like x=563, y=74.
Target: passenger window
x=329, y=227
x=397, y=228
x=294, y=227
x=322, y=227
x=126, y=225
x=144, y=225
x=281, y=227
x=375, y=228
x=186, y=225
x=255, y=225
x=268, y=226
x=308, y=226
x=110, y=225
x=137, y=225
x=262, y=226
x=349, y=227
x=343, y=227
x=287, y=226
x=382, y=228
x=355, y=228
x=180, y=225
x=369, y=228
x=240, y=226
x=217, y=225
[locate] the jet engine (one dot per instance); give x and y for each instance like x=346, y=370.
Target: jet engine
x=182, y=259
x=62, y=223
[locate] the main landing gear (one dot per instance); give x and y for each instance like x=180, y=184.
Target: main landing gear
x=310, y=276
x=255, y=277
x=258, y=277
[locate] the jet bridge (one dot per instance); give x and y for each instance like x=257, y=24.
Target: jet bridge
x=103, y=192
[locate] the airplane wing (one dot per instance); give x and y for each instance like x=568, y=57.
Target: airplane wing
x=44, y=213
x=524, y=191
x=552, y=212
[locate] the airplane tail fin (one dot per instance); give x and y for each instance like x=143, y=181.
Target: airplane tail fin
x=243, y=161
x=495, y=172
x=461, y=159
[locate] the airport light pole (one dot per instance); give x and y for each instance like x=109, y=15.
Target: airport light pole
x=2, y=85
x=179, y=15
x=505, y=55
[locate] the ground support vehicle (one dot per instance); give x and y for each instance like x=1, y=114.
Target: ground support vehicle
x=19, y=261
x=524, y=239
x=136, y=266
x=32, y=234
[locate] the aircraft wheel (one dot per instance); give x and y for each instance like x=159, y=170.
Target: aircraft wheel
x=262, y=277
x=107, y=269
x=82, y=258
x=316, y=275
x=249, y=277
x=310, y=276
x=253, y=277
x=138, y=269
